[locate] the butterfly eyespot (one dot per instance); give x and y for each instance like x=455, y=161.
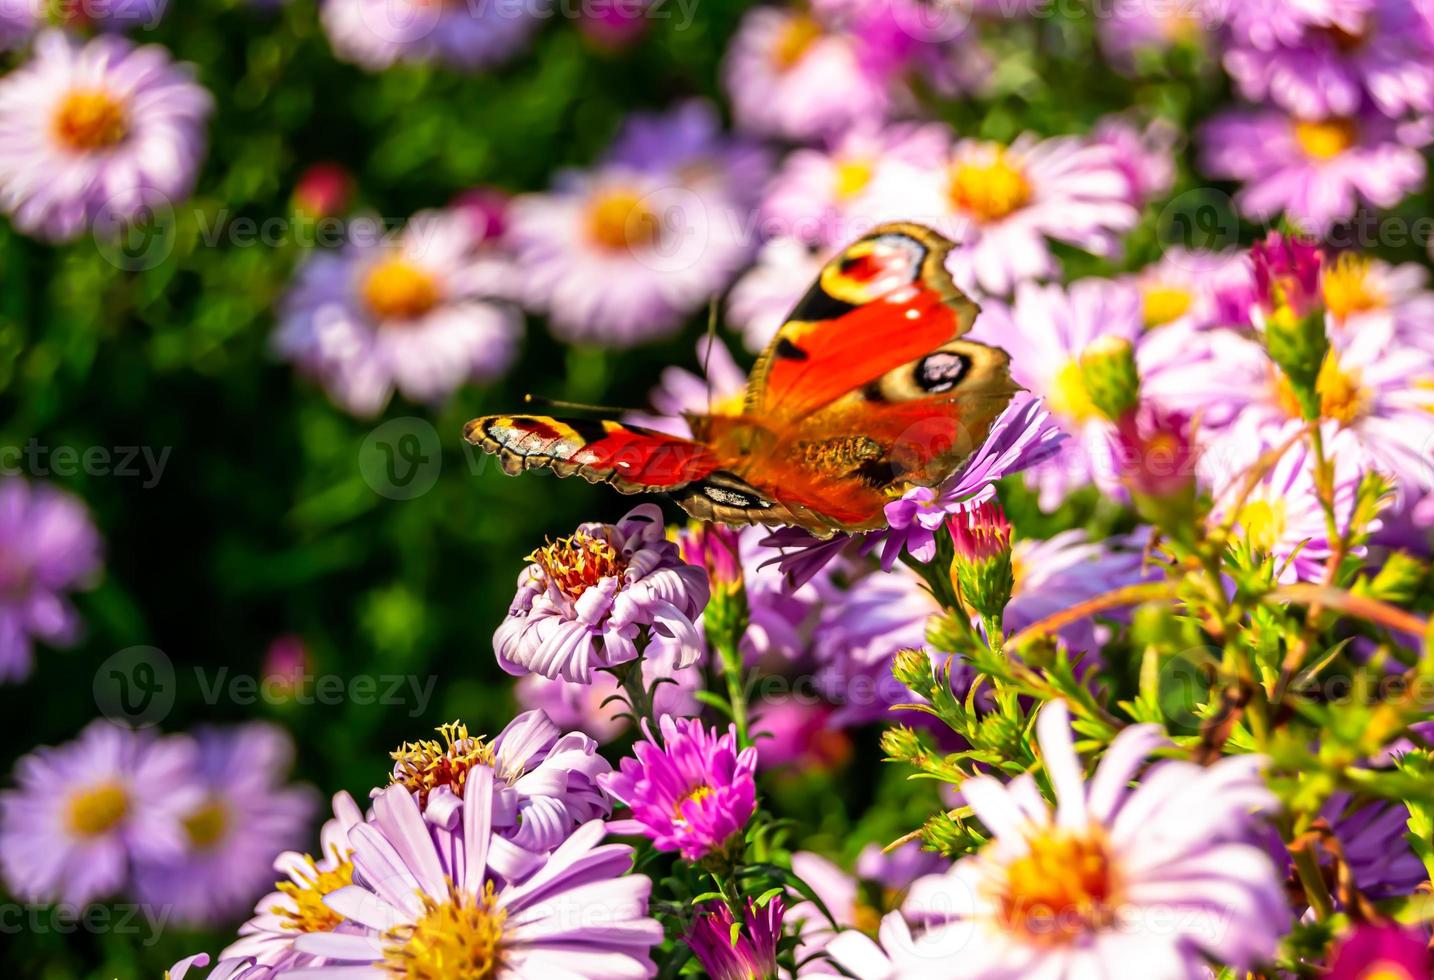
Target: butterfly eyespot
x=941, y=371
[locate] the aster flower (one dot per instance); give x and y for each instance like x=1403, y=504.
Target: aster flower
x=1000, y=204
x=1153, y=879
x=1054, y=574
x=296, y=906
x=592, y=600
x=375, y=34
x=98, y=131
x=1376, y=846
x=591, y=707
x=621, y=255
x=1145, y=154
x=690, y=793
x=1185, y=287
x=759, y=302
x=1316, y=171
x=830, y=196
x=433, y=902
x=789, y=76
x=18, y=21
x=1359, y=291
x=544, y=782
x=717, y=391
x=407, y=314
x=240, y=968
x=858, y=900
x=243, y=818
x=48, y=548
x=687, y=141
x=1391, y=950
x=1132, y=28
x=82, y=812
x=729, y=950
x=1332, y=69
x=799, y=734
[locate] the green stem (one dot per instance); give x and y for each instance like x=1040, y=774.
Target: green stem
x=638, y=698
x=729, y=655
x=1315, y=889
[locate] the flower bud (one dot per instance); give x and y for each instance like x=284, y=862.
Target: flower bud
x=323, y=190
x=717, y=548
x=902, y=744
x=486, y=208
x=1287, y=282
x=912, y=669
x=1155, y=457
x=981, y=569
x=1107, y=369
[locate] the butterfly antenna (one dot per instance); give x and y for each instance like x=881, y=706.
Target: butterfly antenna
x=531, y=399
x=707, y=352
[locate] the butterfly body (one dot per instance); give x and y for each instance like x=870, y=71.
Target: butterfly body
x=866, y=391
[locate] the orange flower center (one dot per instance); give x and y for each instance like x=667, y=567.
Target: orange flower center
x=457, y=939
x=618, y=220
x=1325, y=139
x=989, y=191
x=1347, y=288
x=396, y=289
x=1342, y=396
x=310, y=914
x=90, y=119
x=97, y=810
x=1062, y=888
x=424, y=766
x=577, y=562
x=796, y=37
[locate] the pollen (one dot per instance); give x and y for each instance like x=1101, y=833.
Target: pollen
x=1063, y=888
x=396, y=289
x=424, y=766
x=309, y=913
x=97, y=810
x=458, y=939
x=90, y=119
x=1327, y=138
x=208, y=825
x=575, y=563
x=696, y=795
x=1348, y=290
x=618, y=220
x=792, y=44
x=989, y=191
x=1165, y=304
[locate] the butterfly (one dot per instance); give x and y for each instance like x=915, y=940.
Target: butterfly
x=866, y=391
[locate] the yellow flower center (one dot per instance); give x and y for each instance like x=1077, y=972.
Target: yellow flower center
x=1068, y=395
x=97, y=810
x=1326, y=138
x=852, y=177
x=424, y=766
x=1165, y=304
x=460, y=939
x=798, y=35
x=1063, y=888
x=1342, y=396
x=865, y=918
x=1348, y=290
x=208, y=825
x=574, y=563
x=1264, y=523
x=90, y=119
x=618, y=219
x=989, y=191
x=699, y=794
x=310, y=914
x=396, y=289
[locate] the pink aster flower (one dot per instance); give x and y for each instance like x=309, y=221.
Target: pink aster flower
x=1331, y=70
x=1185, y=288
x=48, y=548
x=1316, y=171
x=1361, y=293
x=718, y=390
x=1145, y=154
x=729, y=950
x=83, y=812
x=799, y=734
x=437, y=902
x=97, y=133
x=1368, y=951
x=790, y=76
x=1111, y=882
x=296, y=906
x=621, y=255
x=544, y=782
x=1132, y=28
x=375, y=34
x=244, y=817
x=690, y=793
x=239, y=968
x=1000, y=204
x=760, y=301
x=410, y=313
x=595, y=599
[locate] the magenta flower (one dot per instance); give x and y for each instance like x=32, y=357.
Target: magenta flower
x=1370, y=951
x=750, y=954
x=1286, y=273
x=83, y=812
x=97, y=132
x=244, y=817
x=48, y=548
x=691, y=793
x=597, y=598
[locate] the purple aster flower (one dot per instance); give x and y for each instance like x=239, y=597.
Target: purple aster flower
x=597, y=598
x=1361, y=293
x=790, y=76
x=1131, y=28
x=1000, y=204
x=690, y=793
x=1054, y=574
x=244, y=817
x=1375, y=840
x=375, y=34
x=798, y=733
x=99, y=131
x=859, y=900
x=831, y=196
x=622, y=255
x=1317, y=172
x=430, y=901
x=1146, y=155
x=296, y=906
x=1111, y=882
x=687, y=141
x=544, y=782
x=1331, y=70
x=409, y=313
x=18, y=21
x=238, y=968
x=759, y=302
x=81, y=813
x=1369, y=951
x=718, y=391
x=729, y=950
x=1265, y=24
x=48, y=548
